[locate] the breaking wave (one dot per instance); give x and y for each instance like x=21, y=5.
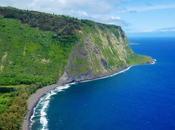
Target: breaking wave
x=40, y=111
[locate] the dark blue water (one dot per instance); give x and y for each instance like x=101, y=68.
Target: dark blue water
x=142, y=98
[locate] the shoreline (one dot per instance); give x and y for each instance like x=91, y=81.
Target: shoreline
x=35, y=97
x=33, y=101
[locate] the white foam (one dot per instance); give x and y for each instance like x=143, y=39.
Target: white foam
x=43, y=118
x=154, y=61
x=34, y=112
x=104, y=77
x=44, y=102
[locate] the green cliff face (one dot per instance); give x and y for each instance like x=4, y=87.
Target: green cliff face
x=101, y=50
x=37, y=49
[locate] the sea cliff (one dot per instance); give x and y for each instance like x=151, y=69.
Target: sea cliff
x=39, y=49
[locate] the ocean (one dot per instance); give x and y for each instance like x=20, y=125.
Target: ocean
x=141, y=98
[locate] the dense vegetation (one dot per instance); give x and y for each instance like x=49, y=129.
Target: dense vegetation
x=29, y=56
x=13, y=105
x=35, y=48
x=64, y=26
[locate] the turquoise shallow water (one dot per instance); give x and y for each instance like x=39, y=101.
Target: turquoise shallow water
x=143, y=98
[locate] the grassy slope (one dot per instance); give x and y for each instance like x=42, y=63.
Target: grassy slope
x=27, y=56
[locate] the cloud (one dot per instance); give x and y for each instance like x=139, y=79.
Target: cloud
x=64, y=6
x=169, y=29
x=147, y=7
x=82, y=8
x=104, y=11
x=141, y=31
x=159, y=30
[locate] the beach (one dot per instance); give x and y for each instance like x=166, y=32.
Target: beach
x=33, y=100
x=35, y=97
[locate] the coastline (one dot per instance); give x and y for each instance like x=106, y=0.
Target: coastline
x=32, y=102
x=35, y=97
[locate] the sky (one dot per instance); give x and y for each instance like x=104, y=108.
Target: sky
x=135, y=16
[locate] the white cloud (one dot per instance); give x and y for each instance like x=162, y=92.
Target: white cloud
x=159, y=30
x=115, y=18
x=98, y=10
x=141, y=31
x=105, y=11
x=91, y=6
x=147, y=8
x=169, y=29
x=62, y=6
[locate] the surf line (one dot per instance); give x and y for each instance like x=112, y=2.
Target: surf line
x=45, y=100
x=43, y=105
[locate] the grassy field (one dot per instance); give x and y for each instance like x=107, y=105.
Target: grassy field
x=28, y=56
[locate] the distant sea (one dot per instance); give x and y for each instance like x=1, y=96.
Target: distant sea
x=142, y=98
